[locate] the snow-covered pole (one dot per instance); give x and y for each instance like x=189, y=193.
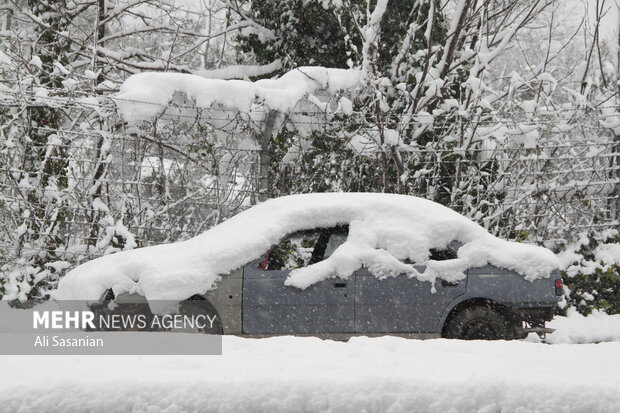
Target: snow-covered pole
x=616, y=135
x=370, y=76
x=96, y=189
x=371, y=37
x=102, y=15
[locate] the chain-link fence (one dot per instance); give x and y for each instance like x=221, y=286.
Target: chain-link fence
x=122, y=186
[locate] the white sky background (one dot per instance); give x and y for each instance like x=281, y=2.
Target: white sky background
x=574, y=10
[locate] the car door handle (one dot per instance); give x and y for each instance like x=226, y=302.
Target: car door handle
x=445, y=283
x=340, y=285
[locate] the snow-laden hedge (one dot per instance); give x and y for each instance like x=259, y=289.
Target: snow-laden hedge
x=592, y=273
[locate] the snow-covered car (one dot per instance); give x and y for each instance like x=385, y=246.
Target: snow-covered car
x=340, y=264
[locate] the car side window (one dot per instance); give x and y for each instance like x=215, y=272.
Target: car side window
x=304, y=248
x=442, y=255
x=448, y=253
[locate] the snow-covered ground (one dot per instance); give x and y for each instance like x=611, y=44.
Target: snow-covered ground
x=294, y=374
x=598, y=327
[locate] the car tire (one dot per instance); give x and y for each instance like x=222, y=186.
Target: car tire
x=197, y=305
x=479, y=323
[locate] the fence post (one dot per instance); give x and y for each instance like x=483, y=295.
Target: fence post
x=616, y=146
x=616, y=149
x=264, y=185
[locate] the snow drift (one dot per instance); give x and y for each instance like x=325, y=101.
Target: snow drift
x=384, y=229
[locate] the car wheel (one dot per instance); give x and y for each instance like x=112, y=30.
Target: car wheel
x=197, y=306
x=479, y=323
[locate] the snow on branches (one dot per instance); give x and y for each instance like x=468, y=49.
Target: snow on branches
x=146, y=95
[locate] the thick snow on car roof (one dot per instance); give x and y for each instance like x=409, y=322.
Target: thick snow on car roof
x=384, y=229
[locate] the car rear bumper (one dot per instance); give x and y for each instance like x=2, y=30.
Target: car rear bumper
x=534, y=314
x=531, y=319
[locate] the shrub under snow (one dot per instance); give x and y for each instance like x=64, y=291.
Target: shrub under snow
x=592, y=273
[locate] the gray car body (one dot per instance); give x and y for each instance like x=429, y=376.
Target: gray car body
x=257, y=303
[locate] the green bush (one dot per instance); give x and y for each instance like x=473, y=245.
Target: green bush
x=593, y=273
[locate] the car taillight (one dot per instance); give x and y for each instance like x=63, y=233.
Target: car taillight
x=559, y=287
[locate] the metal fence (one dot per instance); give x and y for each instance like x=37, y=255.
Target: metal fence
x=170, y=181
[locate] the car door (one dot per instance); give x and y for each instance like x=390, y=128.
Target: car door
x=402, y=304
x=270, y=307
